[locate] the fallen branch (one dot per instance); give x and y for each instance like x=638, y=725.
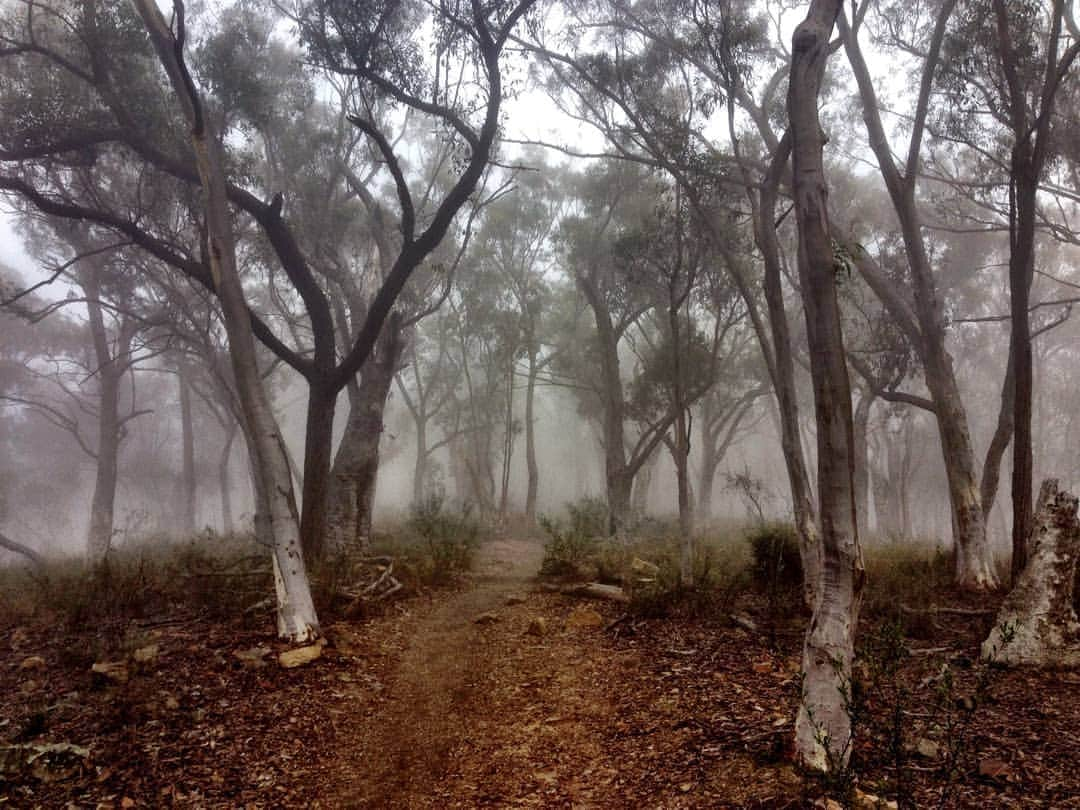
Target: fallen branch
x=592, y=590
x=19, y=548
x=744, y=622
x=947, y=611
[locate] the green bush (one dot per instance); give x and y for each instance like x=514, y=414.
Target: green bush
x=219, y=575
x=450, y=540
x=571, y=543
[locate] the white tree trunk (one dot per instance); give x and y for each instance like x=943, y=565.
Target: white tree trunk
x=1037, y=624
x=296, y=621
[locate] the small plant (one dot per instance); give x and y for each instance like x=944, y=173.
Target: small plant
x=776, y=568
x=572, y=542
x=450, y=539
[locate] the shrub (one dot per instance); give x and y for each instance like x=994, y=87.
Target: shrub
x=450, y=540
x=774, y=548
x=220, y=575
x=571, y=543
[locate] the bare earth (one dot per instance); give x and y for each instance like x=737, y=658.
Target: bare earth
x=424, y=707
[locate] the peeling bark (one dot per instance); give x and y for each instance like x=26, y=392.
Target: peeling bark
x=296, y=618
x=1037, y=624
x=823, y=729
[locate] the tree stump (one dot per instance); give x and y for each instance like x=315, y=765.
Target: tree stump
x=1037, y=625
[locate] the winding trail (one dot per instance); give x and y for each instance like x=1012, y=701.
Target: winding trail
x=487, y=714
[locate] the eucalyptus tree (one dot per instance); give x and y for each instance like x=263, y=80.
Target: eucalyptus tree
x=649, y=77
x=823, y=727
x=1028, y=58
x=597, y=236
x=516, y=241
x=84, y=54
x=94, y=381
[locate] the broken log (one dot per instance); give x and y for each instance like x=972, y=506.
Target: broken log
x=592, y=590
x=19, y=548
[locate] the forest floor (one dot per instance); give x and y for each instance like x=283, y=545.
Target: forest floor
x=449, y=700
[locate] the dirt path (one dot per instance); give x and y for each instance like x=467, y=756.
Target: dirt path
x=487, y=714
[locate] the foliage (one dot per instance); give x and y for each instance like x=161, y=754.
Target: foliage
x=449, y=541
x=776, y=565
x=209, y=573
x=573, y=541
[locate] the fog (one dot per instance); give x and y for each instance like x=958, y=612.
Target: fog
x=594, y=295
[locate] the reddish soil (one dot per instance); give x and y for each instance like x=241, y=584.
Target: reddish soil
x=424, y=707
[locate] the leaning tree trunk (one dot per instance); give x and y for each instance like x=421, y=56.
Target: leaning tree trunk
x=356, y=466
x=823, y=731
x=18, y=548
x=974, y=559
x=296, y=617
x=1037, y=624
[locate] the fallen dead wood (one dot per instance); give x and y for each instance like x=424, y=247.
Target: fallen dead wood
x=590, y=590
x=19, y=548
x=946, y=611
x=745, y=622
x=382, y=586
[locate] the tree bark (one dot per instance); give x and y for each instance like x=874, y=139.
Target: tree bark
x=823, y=732
x=862, y=461
x=109, y=375
x=296, y=617
x=532, y=489
x=420, y=465
x=187, y=441
x=318, y=451
x=224, y=485
x=783, y=379
x=1037, y=624
x=924, y=319
x=356, y=465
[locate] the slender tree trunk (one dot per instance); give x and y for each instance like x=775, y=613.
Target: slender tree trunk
x=619, y=486
x=925, y=322
x=102, y=504
x=823, y=732
x=532, y=490
x=224, y=485
x=974, y=560
x=187, y=440
x=508, y=445
x=681, y=455
x=618, y=478
x=420, y=465
x=862, y=464
x=706, y=483
x=639, y=497
x=296, y=616
x=991, y=475
x=784, y=380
